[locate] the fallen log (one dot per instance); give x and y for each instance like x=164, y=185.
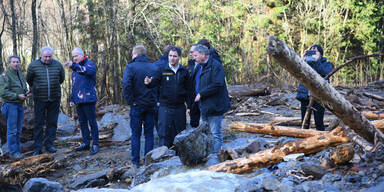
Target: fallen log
x=34, y=160
x=271, y=129
x=249, y=90
x=274, y=155
x=373, y=115
x=323, y=92
x=341, y=155
x=373, y=96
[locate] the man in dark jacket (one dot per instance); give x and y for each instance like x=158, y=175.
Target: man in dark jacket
x=212, y=51
x=211, y=93
x=141, y=99
x=45, y=76
x=193, y=68
x=13, y=91
x=84, y=95
x=175, y=89
x=322, y=67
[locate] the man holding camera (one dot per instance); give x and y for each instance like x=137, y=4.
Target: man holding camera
x=314, y=57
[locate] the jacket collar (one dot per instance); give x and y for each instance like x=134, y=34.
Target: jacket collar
x=141, y=58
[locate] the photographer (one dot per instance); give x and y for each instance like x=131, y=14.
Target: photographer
x=314, y=57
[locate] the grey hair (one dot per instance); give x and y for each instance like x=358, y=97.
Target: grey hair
x=46, y=48
x=140, y=50
x=201, y=49
x=78, y=49
x=13, y=56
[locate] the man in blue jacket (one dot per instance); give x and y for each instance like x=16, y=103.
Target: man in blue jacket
x=84, y=95
x=322, y=67
x=211, y=93
x=175, y=91
x=141, y=99
x=193, y=68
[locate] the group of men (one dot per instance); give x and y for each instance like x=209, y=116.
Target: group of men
x=45, y=76
x=170, y=91
x=161, y=93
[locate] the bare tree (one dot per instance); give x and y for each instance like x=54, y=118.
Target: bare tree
x=35, y=31
x=13, y=26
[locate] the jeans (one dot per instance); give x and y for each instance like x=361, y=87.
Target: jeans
x=14, y=114
x=141, y=115
x=172, y=120
x=214, y=123
x=87, y=116
x=45, y=113
x=318, y=113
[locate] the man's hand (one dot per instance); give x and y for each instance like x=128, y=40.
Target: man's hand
x=147, y=80
x=197, y=98
x=188, y=112
x=68, y=64
x=22, y=97
x=71, y=104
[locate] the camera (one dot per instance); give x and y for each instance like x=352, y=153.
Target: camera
x=308, y=56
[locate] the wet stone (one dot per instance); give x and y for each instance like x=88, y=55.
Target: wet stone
x=317, y=171
x=42, y=185
x=159, y=154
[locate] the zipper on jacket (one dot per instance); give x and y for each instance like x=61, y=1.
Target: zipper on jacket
x=49, y=86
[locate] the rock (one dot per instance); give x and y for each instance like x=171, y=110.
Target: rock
x=193, y=145
x=377, y=188
x=96, y=183
x=257, y=146
x=5, y=187
x=286, y=185
x=83, y=180
x=102, y=190
x=160, y=169
x=269, y=181
x=65, y=125
x=294, y=157
x=121, y=127
x=159, y=154
x=42, y=185
x=212, y=159
x=317, y=171
x=353, y=178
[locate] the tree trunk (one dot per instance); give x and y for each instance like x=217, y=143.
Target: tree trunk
x=35, y=36
x=274, y=155
x=274, y=130
x=249, y=90
x=1, y=46
x=13, y=26
x=323, y=92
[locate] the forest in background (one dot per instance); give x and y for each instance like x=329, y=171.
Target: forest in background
x=107, y=30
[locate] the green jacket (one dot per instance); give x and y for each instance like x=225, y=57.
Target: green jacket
x=45, y=79
x=12, y=84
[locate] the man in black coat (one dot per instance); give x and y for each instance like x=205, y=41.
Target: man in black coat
x=141, y=99
x=211, y=93
x=175, y=90
x=193, y=68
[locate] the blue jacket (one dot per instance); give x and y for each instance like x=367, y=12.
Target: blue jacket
x=322, y=67
x=162, y=62
x=135, y=91
x=84, y=82
x=175, y=88
x=213, y=90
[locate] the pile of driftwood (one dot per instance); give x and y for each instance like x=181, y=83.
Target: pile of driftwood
x=355, y=127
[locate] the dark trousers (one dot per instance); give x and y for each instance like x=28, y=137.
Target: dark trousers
x=141, y=115
x=87, y=117
x=318, y=111
x=46, y=113
x=194, y=115
x=172, y=120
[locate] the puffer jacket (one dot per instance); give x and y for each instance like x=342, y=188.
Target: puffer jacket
x=45, y=79
x=84, y=82
x=12, y=84
x=322, y=67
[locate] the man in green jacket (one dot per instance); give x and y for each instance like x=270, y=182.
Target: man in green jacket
x=13, y=91
x=45, y=76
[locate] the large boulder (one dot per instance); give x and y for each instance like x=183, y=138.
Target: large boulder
x=159, y=154
x=120, y=126
x=193, y=145
x=42, y=185
x=65, y=125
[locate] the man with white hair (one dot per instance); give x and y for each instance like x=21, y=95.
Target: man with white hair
x=84, y=95
x=44, y=76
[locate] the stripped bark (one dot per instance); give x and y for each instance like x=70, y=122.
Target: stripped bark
x=275, y=155
x=271, y=129
x=324, y=93
x=373, y=115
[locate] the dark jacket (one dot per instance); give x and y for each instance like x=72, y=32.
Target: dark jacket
x=193, y=68
x=84, y=82
x=45, y=79
x=162, y=61
x=135, y=91
x=12, y=84
x=213, y=90
x=175, y=89
x=214, y=54
x=322, y=67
